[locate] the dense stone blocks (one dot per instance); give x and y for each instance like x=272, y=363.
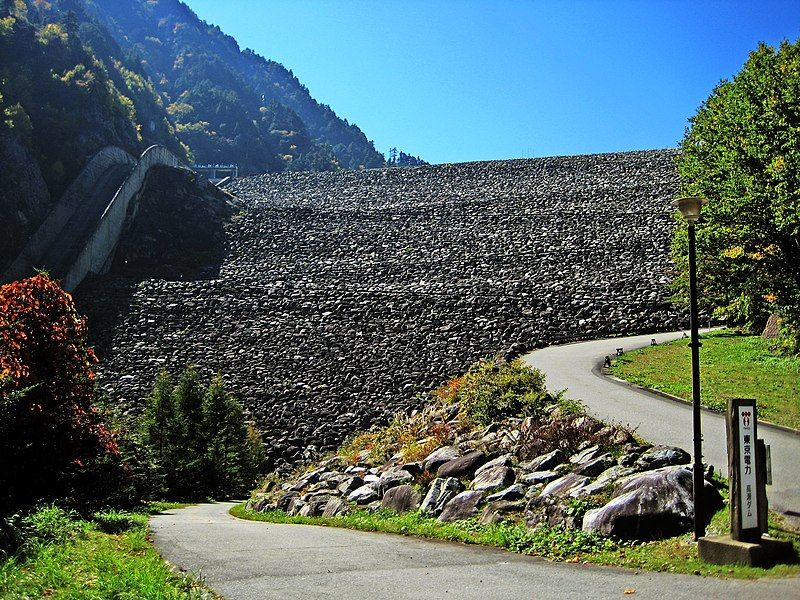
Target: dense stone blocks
x=343, y=296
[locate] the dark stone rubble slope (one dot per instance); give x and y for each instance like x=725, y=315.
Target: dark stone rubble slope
x=344, y=295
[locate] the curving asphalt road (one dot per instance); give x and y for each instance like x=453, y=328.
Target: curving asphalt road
x=248, y=560
x=578, y=368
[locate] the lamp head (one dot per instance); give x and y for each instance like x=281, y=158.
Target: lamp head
x=690, y=208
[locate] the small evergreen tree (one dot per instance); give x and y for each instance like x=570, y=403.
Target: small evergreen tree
x=189, y=450
x=199, y=439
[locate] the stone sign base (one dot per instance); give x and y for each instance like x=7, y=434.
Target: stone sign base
x=722, y=550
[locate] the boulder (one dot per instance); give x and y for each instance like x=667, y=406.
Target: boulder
x=651, y=505
x=335, y=507
x=462, y=506
x=545, y=462
x=496, y=512
x=540, y=477
x=605, y=480
x=392, y=479
x=440, y=492
x=584, y=456
x=504, y=460
x=350, y=484
x=594, y=467
x=493, y=478
x=285, y=500
x=415, y=468
x=438, y=457
x=553, y=512
x=662, y=456
x=365, y=494
x=463, y=466
x=513, y=492
x=565, y=486
x=400, y=499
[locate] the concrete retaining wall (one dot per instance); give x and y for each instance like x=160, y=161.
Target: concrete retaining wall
x=101, y=243
x=64, y=209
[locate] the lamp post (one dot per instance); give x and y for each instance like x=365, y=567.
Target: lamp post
x=690, y=209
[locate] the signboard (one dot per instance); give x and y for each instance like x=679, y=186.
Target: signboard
x=746, y=471
x=747, y=467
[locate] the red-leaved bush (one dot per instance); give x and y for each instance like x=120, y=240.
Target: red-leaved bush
x=53, y=442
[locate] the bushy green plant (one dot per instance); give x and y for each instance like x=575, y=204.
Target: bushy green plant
x=47, y=526
x=116, y=521
x=492, y=391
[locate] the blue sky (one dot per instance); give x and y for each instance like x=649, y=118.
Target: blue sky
x=459, y=80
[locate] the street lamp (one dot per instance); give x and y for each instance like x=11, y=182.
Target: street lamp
x=690, y=209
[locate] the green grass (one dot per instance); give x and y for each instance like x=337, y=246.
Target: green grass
x=88, y=563
x=731, y=366
x=677, y=555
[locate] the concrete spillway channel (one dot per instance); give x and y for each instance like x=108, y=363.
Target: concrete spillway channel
x=83, y=228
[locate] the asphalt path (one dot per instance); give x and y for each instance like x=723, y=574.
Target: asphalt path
x=248, y=560
x=578, y=368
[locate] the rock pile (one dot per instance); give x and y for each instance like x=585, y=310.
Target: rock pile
x=621, y=489
x=345, y=295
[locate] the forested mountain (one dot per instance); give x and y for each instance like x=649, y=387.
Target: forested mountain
x=231, y=105
x=66, y=91
x=78, y=75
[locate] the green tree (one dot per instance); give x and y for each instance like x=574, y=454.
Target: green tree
x=742, y=152
x=189, y=450
x=198, y=439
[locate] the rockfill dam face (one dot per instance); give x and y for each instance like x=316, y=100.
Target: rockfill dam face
x=343, y=297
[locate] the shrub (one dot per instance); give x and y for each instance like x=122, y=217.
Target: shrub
x=113, y=521
x=53, y=440
x=493, y=390
x=48, y=526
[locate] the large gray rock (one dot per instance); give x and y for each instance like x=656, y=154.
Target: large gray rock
x=496, y=512
x=335, y=507
x=401, y=499
x=567, y=485
x=392, y=479
x=463, y=466
x=493, y=478
x=440, y=492
x=463, y=506
x=438, y=457
x=651, y=505
x=540, y=477
x=350, y=484
x=662, y=456
x=584, y=456
x=545, y=462
x=365, y=494
x=512, y=492
x=594, y=467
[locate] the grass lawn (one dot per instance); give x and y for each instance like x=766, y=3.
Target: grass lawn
x=731, y=366
x=108, y=557
x=676, y=555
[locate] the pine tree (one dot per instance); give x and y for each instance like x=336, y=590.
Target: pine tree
x=190, y=446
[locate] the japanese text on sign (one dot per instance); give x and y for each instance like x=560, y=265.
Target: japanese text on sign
x=747, y=468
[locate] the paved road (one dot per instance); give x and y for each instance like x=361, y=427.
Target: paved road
x=246, y=560
x=578, y=368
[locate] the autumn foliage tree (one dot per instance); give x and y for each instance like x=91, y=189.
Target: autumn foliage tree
x=53, y=442
x=742, y=152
